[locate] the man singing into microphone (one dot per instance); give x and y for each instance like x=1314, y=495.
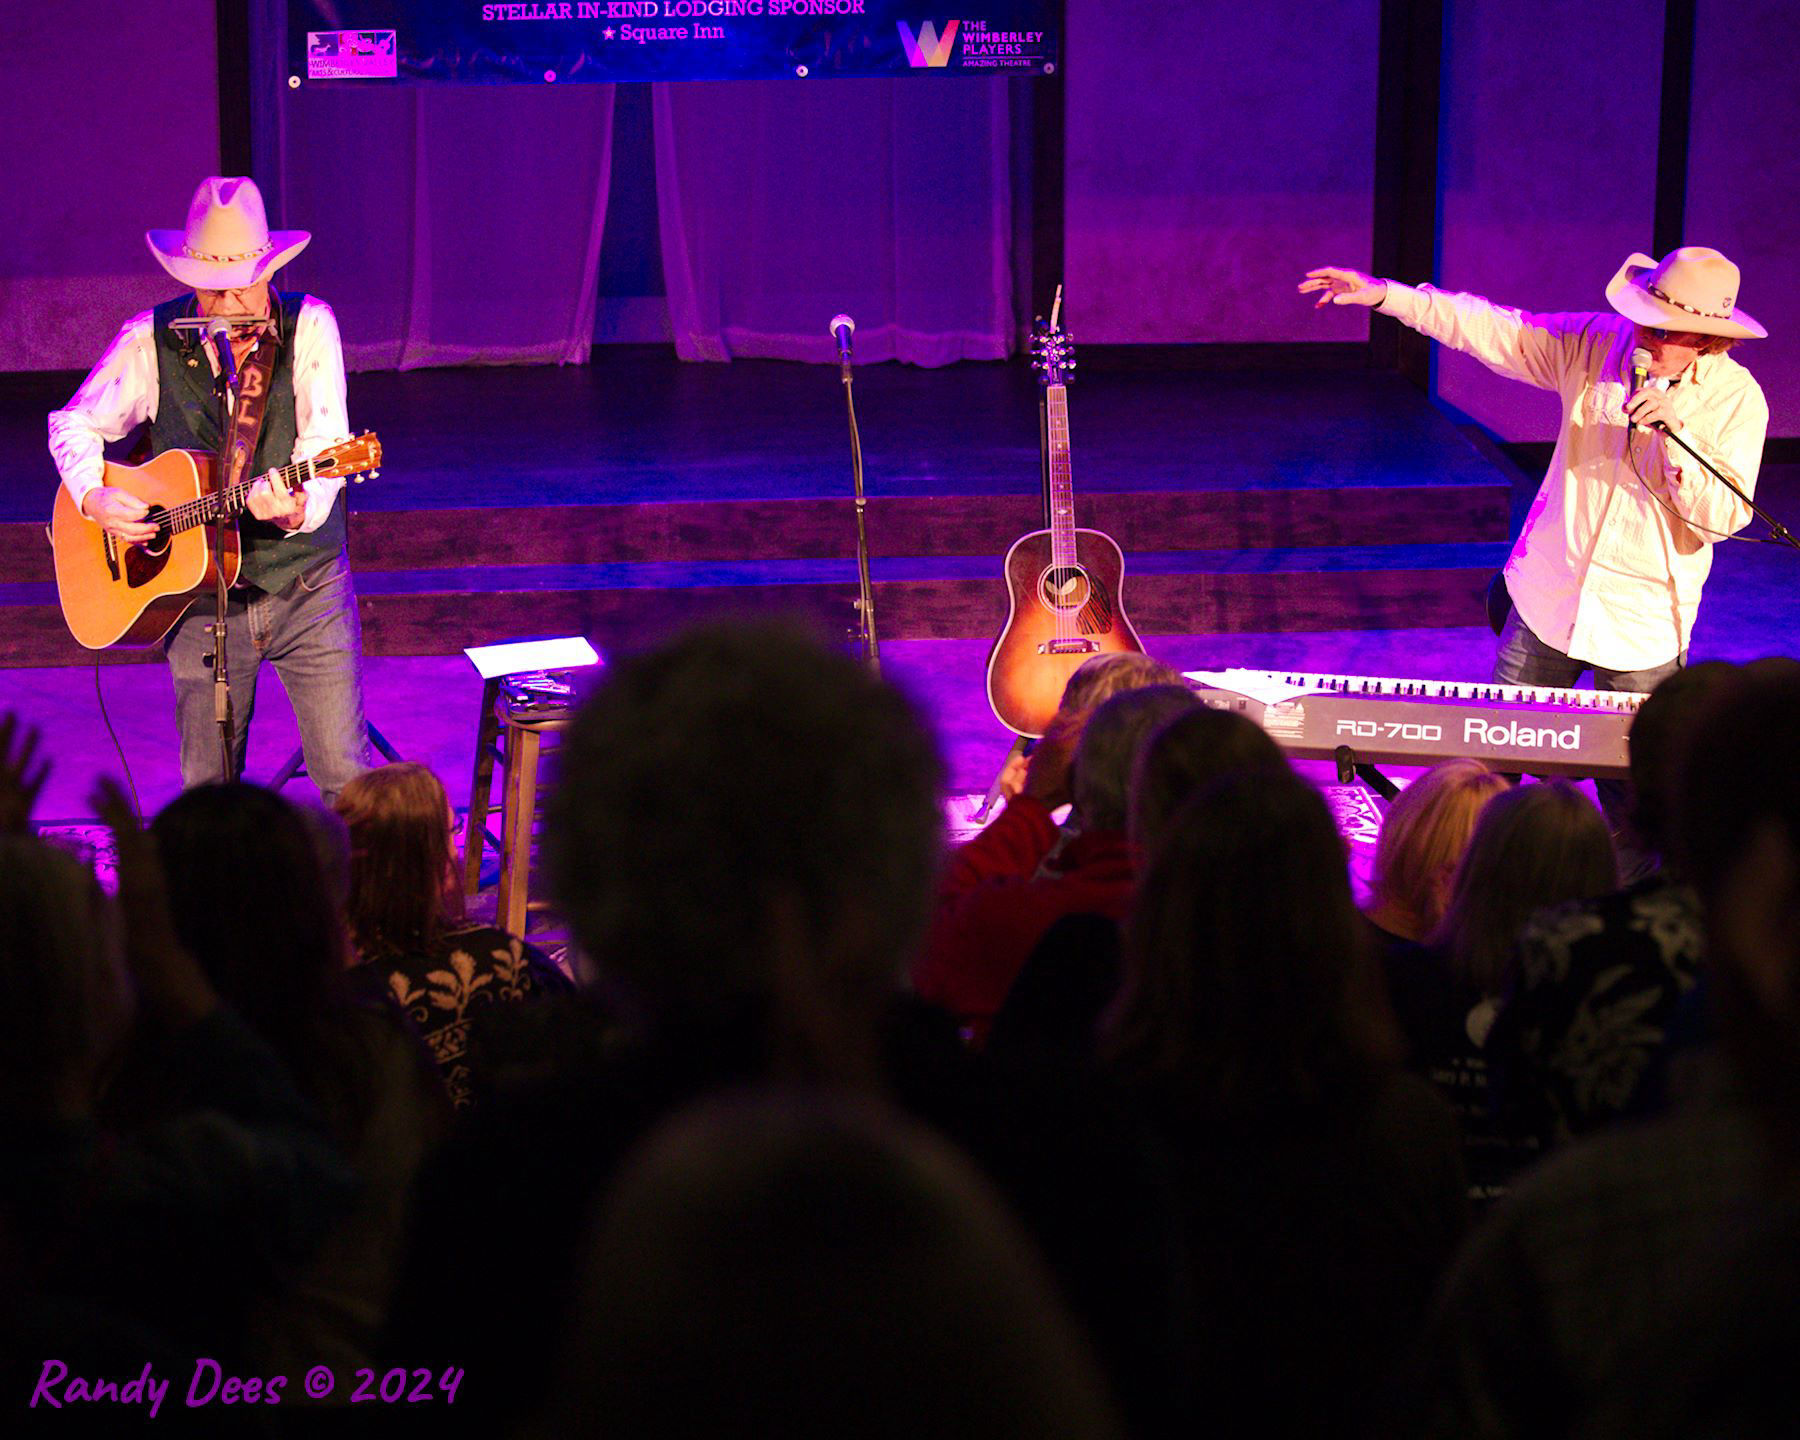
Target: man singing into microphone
x=1606, y=574
x=293, y=604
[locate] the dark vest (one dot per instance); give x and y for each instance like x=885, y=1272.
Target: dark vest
x=187, y=418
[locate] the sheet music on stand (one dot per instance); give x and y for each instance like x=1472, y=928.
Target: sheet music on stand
x=535, y=674
x=1260, y=685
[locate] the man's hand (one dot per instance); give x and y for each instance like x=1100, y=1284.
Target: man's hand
x=119, y=513
x=1338, y=286
x=20, y=782
x=277, y=504
x=1047, y=775
x=1651, y=407
x=1012, y=775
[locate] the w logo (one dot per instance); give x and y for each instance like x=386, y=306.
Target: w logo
x=928, y=48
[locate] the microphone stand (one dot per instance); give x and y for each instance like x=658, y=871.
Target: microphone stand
x=1778, y=533
x=226, y=384
x=865, y=593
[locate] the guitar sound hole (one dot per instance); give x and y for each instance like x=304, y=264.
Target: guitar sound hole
x=158, y=517
x=1064, y=587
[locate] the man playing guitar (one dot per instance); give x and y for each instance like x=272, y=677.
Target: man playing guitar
x=293, y=603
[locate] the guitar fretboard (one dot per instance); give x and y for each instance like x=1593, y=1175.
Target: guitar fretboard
x=1062, y=483
x=204, y=509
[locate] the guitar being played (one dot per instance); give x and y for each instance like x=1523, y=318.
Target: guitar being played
x=1063, y=584
x=123, y=592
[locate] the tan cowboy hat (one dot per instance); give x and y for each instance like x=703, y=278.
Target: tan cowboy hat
x=227, y=243
x=1693, y=289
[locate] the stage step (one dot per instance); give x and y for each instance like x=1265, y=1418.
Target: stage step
x=440, y=610
x=898, y=525
x=666, y=492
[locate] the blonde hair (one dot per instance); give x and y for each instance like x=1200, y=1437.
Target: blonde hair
x=1534, y=847
x=1422, y=839
x=1100, y=677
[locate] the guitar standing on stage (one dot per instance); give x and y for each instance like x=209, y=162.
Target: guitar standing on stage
x=293, y=604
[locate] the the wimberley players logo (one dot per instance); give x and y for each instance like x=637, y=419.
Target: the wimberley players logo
x=926, y=48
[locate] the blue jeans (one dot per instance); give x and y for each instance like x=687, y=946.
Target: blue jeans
x=1523, y=659
x=311, y=634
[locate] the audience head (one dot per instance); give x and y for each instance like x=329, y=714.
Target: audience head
x=404, y=882
x=1422, y=839
x=1659, y=730
x=1534, y=846
x=66, y=997
x=1247, y=985
x=746, y=815
x=251, y=900
x=1186, y=755
x=1109, y=747
x=1100, y=677
x=1737, y=831
x=780, y=1265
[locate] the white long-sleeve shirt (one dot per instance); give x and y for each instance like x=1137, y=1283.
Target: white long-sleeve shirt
x=1610, y=564
x=121, y=392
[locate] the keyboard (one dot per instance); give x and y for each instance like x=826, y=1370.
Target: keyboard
x=1420, y=722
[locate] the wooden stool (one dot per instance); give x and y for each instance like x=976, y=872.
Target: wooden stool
x=494, y=663
x=521, y=741
x=481, y=787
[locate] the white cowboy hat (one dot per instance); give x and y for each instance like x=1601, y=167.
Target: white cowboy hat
x=1693, y=289
x=227, y=243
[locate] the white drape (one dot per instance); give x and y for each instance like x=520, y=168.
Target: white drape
x=452, y=225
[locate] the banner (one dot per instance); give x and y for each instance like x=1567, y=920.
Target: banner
x=571, y=41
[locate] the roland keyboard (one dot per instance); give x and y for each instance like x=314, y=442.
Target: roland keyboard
x=1420, y=722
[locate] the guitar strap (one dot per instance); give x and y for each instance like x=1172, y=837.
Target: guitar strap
x=247, y=411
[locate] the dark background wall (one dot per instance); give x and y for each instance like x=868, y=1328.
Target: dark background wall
x=1214, y=152
x=111, y=114
x=1743, y=173
x=1547, y=172
x=1206, y=153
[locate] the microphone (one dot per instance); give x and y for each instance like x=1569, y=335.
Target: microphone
x=1640, y=372
x=842, y=327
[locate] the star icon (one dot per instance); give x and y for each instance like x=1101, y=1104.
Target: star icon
x=607, y=33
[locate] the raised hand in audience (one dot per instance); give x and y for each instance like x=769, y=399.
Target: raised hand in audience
x=20, y=781
x=170, y=980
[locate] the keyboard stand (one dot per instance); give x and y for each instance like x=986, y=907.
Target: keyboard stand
x=1349, y=767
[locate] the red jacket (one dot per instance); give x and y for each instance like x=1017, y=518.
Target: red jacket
x=999, y=898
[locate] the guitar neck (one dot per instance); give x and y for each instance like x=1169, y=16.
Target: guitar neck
x=1060, y=494
x=205, y=509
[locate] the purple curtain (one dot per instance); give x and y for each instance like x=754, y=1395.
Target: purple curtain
x=87, y=174
x=782, y=203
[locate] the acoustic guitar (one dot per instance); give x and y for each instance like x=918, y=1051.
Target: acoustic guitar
x=115, y=593
x=1063, y=584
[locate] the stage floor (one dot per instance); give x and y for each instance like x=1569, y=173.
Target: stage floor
x=640, y=427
